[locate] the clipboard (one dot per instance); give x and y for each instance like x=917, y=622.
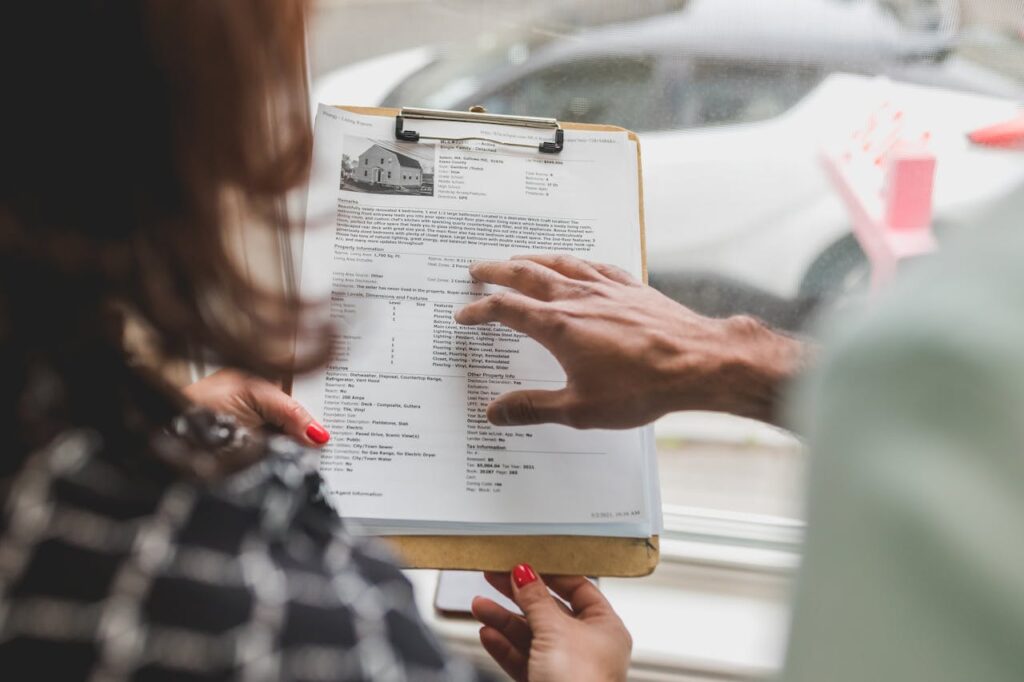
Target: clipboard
x=552, y=554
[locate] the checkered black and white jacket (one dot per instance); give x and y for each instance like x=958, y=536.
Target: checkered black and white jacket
x=109, y=574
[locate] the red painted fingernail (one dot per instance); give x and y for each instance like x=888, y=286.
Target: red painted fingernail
x=523, y=574
x=317, y=433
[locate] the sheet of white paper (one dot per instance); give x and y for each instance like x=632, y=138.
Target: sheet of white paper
x=391, y=230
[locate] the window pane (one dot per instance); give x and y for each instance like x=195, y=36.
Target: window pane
x=617, y=90
x=721, y=92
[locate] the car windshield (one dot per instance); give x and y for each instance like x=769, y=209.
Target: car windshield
x=642, y=92
x=458, y=72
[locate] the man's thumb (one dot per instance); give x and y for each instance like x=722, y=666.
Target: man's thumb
x=522, y=408
x=531, y=595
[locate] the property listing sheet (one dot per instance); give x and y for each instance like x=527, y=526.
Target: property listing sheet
x=391, y=230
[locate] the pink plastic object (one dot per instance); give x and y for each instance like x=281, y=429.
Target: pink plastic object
x=1008, y=134
x=884, y=175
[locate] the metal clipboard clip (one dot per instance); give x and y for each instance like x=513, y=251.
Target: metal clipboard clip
x=478, y=115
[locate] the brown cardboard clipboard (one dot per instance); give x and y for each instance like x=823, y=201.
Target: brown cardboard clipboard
x=552, y=554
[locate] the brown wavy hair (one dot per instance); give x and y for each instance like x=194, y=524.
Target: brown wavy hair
x=138, y=133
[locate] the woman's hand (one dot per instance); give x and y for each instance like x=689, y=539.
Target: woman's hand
x=255, y=402
x=630, y=354
x=552, y=643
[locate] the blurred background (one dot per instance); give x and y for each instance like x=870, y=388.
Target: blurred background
x=734, y=101
x=739, y=105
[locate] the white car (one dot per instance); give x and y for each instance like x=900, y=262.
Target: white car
x=733, y=100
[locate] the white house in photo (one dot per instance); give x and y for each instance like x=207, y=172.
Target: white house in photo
x=380, y=166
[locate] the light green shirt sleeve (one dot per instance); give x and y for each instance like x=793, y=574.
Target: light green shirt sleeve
x=914, y=563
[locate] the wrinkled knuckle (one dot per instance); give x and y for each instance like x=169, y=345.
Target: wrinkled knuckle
x=293, y=408
x=661, y=343
x=745, y=325
x=577, y=289
x=518, y=268
x=507, y=620
x=621, y=274
x=555, y=320
x=523, y=412
x=572, y=289
x=496, y=302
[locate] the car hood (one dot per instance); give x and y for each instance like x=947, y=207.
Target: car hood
x=366, y=83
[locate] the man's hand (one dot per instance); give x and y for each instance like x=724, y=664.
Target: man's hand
x=630, y=354
x=552, y=643
x=255, y=402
